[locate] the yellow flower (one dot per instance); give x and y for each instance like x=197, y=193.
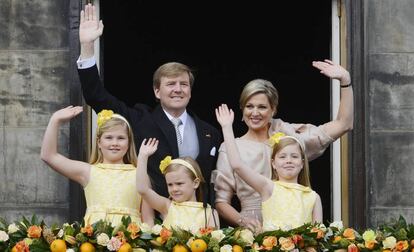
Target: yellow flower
x=369, y=235
x=104, y=116
x=164, y=163
x=275, y=138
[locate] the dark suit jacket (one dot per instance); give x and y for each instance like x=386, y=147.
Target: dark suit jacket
x=146, y=123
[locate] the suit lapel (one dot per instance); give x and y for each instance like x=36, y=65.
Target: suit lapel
x=166, y=128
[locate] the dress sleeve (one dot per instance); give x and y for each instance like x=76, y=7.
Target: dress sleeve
x=224, y=180
x=314, y=137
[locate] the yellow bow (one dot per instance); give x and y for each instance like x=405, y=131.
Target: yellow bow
x=165, y=163
x=104, y=116
x=275, y=138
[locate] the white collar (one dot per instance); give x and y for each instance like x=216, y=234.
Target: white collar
x=183, y=116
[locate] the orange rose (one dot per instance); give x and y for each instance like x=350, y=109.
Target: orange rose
x=269, y=242
x=337, y=239
x=401, y=246
x=352, y=248
x=206, y=231
x=370, y=244
x=286, y=244
x=21, y=246
x=349, y=234
x=88, y=230
x=134, y=229
x=320, y=233
x=165, y=234
x=34, y=232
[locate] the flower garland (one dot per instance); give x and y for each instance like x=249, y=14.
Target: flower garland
x=34, y=235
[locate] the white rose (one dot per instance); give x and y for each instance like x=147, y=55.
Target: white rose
x=156, y=229
x=247, y=236
x=218, y=235
x=226, y=248
x=102, y=239
x=389, y=242
x=322, y=227
x=60, y=233
x=145, y=228
x=12, y=228
x=3, y=236
x=337, y=224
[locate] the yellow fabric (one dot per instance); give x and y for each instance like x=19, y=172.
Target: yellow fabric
x=187, y=215
x=111, y=193
x=290, y=206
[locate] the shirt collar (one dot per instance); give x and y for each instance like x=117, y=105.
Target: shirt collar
x=183, y=116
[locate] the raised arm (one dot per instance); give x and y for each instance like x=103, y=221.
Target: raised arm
x=72, y=169
x=90, y=29
x=345, y=118
x=156, y=201
x=258, y=182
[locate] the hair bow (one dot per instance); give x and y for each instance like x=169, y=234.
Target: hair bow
x=165, y=163
x=275, y=138
x=104, y=116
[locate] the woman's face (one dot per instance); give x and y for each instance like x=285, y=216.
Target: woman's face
x=257, y=113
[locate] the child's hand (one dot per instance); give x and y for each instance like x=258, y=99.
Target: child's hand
x=148, y=147
x=67, y=113
x=224, y=115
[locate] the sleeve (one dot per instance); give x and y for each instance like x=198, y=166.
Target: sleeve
x=85, y=63
x=224, y=180
x=314, y=137
x=99, y=98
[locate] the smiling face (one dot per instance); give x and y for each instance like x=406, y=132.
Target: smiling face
x=288, y=163
x=181, y=186
x=174, y=93
x=114, y=144
x=258, y=112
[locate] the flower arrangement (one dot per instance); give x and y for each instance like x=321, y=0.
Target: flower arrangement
x=32, y=235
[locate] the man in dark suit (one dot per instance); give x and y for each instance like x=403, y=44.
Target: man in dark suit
x=172, y=83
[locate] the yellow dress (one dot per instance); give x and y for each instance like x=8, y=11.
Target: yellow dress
x=111, y=193
x=290, y=206
x=187, y=215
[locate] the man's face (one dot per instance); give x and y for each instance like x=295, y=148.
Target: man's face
x=174, y=93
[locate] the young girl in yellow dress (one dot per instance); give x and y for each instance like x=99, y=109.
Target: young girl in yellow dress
x=287, y=199
x=185, y=209
x=109, y=178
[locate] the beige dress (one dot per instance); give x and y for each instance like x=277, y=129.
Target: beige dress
x=111, y=193
x=290, y=206
x=257, y=156
x=188, y=215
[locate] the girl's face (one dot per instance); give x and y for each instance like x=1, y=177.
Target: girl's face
x=114, y=145
x=181, y=186
x=257, y=113
x=288, y=163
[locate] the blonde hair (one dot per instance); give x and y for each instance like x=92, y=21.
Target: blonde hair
x=178, y=166
x=171, y=69
x=303, y=176
x=260, y=86
x=130, y=157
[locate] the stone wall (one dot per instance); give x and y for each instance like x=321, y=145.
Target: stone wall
x=390, y=103
x=34, y=82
